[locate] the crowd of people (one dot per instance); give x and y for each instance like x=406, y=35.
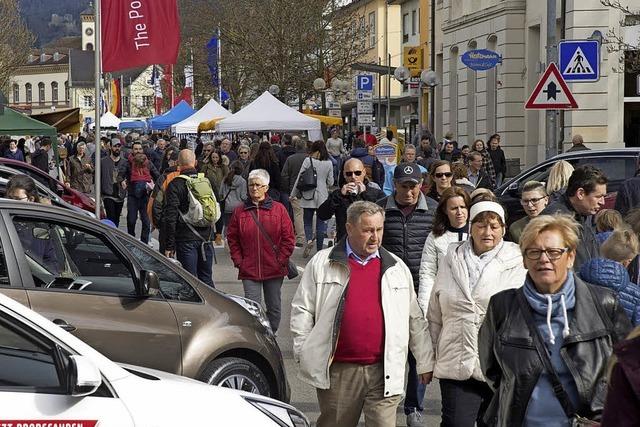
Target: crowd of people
x=518, y=320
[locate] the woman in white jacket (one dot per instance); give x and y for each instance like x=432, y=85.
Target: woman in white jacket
x=468, y=276
x=450, y=225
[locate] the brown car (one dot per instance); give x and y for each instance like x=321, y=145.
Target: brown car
x=132, y=304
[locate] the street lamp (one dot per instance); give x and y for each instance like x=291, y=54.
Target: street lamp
x=274, y=90
x=430, y=78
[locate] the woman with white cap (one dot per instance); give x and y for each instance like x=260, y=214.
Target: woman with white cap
x=544, y=347
x=470, y=273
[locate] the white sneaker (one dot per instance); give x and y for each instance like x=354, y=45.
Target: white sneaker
x=414, y=419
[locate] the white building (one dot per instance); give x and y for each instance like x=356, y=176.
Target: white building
x=477, y=104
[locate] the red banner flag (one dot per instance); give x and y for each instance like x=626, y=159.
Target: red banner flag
x=139, y=32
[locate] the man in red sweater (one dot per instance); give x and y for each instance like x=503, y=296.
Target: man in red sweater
x=353, y=319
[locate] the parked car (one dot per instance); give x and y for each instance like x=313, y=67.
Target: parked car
x=74, y=197
x=618, y=164
x=49, y=376
x=43, y=191
x=133, y=304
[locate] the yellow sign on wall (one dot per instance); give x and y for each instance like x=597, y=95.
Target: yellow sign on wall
x=413, y=59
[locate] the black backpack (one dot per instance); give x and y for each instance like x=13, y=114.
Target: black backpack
x=308, y=179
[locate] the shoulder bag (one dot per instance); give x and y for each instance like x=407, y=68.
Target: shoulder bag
x=308, y=179
x=558, y=389
x=292, y=269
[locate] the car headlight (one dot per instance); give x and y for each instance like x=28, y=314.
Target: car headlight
x=281, y=413
x=254, y=308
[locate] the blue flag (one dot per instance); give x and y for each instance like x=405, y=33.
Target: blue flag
x=212, y=59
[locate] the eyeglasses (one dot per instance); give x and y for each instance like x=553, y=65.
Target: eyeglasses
x=532, y=201
x=553, y=254
x=256, y=185
x=350, y=173
x=441, y=174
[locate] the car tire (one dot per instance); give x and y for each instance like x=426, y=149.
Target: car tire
x=236, y=373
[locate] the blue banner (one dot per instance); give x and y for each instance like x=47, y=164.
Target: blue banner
x=212, y=59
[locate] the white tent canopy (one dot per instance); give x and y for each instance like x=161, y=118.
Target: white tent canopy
x=211, y=110
x=268, y=113
x=108, y=120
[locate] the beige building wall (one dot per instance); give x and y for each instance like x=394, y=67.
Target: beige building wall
x=35, y=76
x=475, y=105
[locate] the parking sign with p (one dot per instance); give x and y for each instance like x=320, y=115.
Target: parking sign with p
x=364, y=82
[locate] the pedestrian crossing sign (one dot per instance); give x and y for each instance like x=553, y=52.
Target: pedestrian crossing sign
x=579, y=60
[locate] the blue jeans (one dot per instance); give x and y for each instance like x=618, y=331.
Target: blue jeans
x=414, y=398
x=190, y=254
x=138, y=206
x=321, y=227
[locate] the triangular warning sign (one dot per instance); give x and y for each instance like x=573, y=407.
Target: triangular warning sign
x=551, y=92
x=579, y=64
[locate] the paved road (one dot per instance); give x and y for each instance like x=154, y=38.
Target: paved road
x=302, y=395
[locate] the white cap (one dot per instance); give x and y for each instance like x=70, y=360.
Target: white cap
x=486, y=206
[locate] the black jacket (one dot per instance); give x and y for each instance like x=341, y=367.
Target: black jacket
x=484, y=180
x=405, y=236
x=284, y=154
x=588, y=246
x=628, y=195
x=291, y=169
x=177, y=202
x=337, y=204
x=40, y=159
x=498, y=159
x=512, y=366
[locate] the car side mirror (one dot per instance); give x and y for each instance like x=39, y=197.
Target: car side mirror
x=40, y=233
x=148, y=283
x=513, y=189
x=84, y=376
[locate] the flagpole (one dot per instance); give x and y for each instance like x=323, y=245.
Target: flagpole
x=98, y=72
x=219, y=67
x=172, y=88
x=121, y=96
x=193, y=80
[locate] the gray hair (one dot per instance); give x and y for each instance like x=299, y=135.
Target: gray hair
x=80, y=144
x=260, y=174
x=410, y=147
x=299, y=143
x=359, y=208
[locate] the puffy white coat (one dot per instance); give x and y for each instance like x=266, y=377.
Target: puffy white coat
x=456, y=312
x=435, y=248
x=317, y=310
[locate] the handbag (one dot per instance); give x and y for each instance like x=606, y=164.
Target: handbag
x=558, y=389
x=308, y=179
x=292, y=269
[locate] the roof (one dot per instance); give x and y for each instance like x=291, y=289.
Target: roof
x=47, y=56
x=211, y=110
x=82, y=66
x=88, y=11
x=171, y=117
x=65, y=43
x=15, y=123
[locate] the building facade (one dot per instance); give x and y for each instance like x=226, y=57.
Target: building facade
x=473, y=105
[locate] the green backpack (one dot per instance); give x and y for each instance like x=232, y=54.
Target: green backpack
x=204, y=209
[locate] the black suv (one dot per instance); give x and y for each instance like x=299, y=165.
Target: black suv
x=618, y=164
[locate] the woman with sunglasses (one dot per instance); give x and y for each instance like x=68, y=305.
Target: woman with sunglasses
x=544, y=347
x=440, y=176
x=449, y=225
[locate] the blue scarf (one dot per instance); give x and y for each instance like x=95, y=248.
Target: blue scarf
x=552, y=305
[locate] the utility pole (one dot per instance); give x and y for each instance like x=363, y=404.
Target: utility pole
x=388, y=59
x=551, y=120
x=96, y=105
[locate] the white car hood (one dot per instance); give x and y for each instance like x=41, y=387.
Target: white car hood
x=174, y=400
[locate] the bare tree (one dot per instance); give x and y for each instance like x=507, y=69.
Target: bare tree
x=15, y=40
x=628, y=50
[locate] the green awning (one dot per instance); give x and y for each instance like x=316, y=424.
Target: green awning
x=18, y=124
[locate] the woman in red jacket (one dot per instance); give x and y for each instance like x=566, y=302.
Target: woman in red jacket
x=261, y=240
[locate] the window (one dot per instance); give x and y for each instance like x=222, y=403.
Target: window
x=40, y=93
x=89, y=46
x=414, y=22
x=66, y=91
x=28, y=94
x=28, y=361
x=172, y=286
x=615, y=168
x=16, y=93
x=405, y=28
x=63, y=257
x=362, y=30
x=147, y=101
x=54, y=93
x=87, y=101
x=372, y=29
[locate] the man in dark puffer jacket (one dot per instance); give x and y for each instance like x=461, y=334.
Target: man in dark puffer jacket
x=408, y=222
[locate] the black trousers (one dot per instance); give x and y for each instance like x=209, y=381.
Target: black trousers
x=464, y=402
x=113, y=209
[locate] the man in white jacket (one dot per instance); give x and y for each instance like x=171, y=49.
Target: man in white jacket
x=353, y=319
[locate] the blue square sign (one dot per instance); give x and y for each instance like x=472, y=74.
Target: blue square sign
x=364, y=82
x=579, y=60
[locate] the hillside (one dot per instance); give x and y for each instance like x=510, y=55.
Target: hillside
x=38, y=15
